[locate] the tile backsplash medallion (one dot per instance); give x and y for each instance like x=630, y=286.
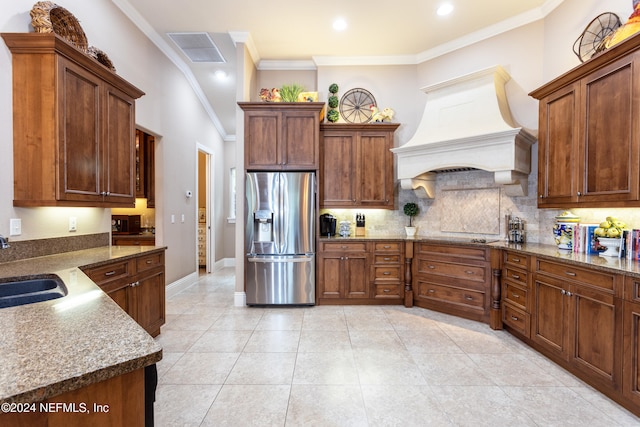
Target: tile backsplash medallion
x=461, y=196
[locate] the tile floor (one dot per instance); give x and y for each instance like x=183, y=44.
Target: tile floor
x=355, y=366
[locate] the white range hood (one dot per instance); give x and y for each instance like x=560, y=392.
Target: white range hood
x=467, y=124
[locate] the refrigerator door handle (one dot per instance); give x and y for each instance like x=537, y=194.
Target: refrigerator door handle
x=271, y=260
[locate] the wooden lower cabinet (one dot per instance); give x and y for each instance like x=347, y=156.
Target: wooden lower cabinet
x=516, y=292
x=137, y=285
x=123, y=394
x=359, y=272
x=453, y=279
x=577, y=318
x=631, y=342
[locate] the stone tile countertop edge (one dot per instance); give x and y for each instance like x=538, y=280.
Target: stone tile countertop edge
x=630, y=267
x=60, y=345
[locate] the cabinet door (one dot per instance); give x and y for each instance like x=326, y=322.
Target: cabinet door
x=596, y=337
x=149, y=297
x=119, y=148
x=79, y=140
x=631, y=380
x=376, y=170
x=328, y=275
x=339, y=179
x=300, y=140
x=550, y=315
x=611, y=150
x=355, y=277
x=558, y=142
x=121, y=297
x=262, y=131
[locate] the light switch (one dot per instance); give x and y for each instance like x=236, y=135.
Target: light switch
x=173, y=219
x=15, y=227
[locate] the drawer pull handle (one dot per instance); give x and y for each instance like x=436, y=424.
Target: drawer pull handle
x=149, y=261
x=515, y=276
x=515, y=259
x=387, y=259
x=569, y=273
x=432, y=267
x=110, y=273
x=514, y=318
x=386, y=273
x=468, y=298
x=516, y=296
x=387, y=290
x=387, y=246
x=431, y=291
x=469, y=272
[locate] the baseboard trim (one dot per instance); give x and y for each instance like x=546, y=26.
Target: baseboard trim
x=181, y=284
x=239, y=299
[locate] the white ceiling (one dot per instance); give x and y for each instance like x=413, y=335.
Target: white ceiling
x=298, y=34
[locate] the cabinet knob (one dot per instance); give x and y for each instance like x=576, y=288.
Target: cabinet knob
x=541, y=196
x=569, y=294
x=563, y=292
x=579, y=194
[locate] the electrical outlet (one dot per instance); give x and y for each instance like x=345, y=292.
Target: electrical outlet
x=15, y=227
x=73, y=226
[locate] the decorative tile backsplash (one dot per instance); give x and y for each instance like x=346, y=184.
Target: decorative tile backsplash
x=480, y=213
x=474, y=194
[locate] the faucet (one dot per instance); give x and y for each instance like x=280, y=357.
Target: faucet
x=4, y=243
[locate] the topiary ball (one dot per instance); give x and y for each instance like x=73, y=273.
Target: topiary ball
x=333, y=116
x=333, y=101
x=333, y=88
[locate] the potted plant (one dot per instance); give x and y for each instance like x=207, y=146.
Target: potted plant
x=410, y=210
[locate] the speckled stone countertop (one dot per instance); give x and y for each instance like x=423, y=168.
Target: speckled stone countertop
x=608, y=264
x=60, y=345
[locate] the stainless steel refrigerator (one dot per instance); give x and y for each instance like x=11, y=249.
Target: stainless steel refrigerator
x=280, y=238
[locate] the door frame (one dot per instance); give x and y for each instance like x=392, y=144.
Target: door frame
x=210, y=188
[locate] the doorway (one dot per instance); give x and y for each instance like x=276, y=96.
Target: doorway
x=204, y=220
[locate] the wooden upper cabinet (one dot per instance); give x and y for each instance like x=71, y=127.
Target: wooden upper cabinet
x=73, y=126
x=356, y=167
x=282, y=135
x=589, y=135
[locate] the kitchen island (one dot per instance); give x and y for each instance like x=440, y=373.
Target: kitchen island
x=56, y=349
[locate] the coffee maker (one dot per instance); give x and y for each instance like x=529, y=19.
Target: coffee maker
x=327, y=225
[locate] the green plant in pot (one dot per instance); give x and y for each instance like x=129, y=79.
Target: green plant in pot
x=410, y=209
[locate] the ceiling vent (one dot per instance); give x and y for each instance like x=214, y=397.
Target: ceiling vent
x=198, y=47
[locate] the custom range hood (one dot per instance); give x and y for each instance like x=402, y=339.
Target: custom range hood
x=467, y=124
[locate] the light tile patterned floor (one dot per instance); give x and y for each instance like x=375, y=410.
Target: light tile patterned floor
x=355, y=366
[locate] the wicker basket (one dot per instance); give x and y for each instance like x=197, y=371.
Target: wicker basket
x=48, y=17
x=101, y=57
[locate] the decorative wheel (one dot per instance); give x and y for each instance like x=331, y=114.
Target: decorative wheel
x=355, y=105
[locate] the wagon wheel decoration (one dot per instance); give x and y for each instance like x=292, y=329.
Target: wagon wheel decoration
x=355, y=105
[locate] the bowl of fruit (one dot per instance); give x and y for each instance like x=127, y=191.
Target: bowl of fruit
x=609, y=235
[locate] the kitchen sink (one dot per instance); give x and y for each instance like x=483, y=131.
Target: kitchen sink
x=30, y=289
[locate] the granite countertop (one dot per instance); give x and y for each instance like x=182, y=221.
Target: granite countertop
x=56, y=346
x=608, y=264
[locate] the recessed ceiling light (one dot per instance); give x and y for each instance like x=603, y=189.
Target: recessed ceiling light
x=220, y=75
x=445, y=9
x=340, y=24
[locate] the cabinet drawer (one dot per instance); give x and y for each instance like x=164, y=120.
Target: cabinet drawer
x=388, y=290
x=452, y=294
x=109, y=272
x=386, y=259
x=147, y=262
x=517, y=319
x=388, y=247
x=515, y=295
x=515, y=259
x=445, y=251
x=452, y=271
x=571, y=272
x=343, y=246
x=517, y=276
x=387, y=272
x=631, y=289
